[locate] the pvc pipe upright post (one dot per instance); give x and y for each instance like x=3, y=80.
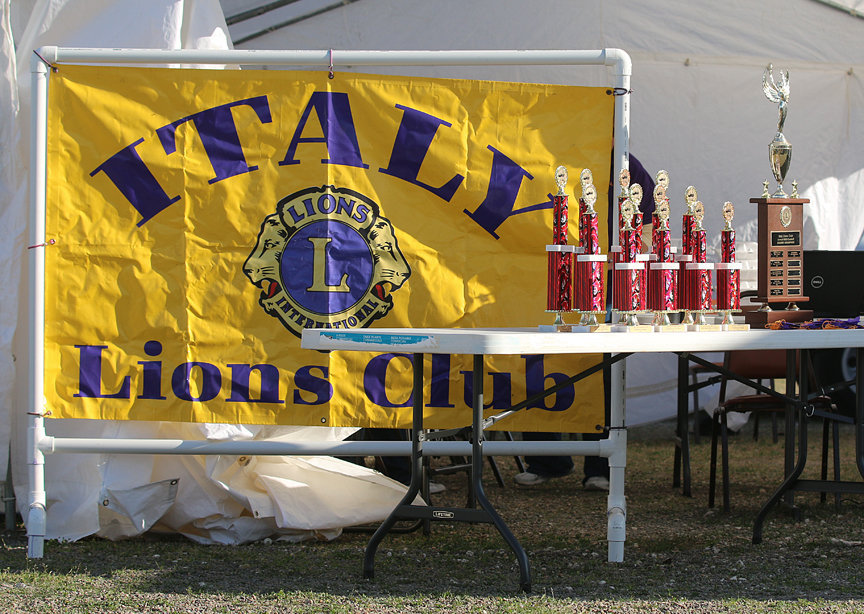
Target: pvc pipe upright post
x=36, y=514
x=616, y=506
x=622, y=72
x=616, y=502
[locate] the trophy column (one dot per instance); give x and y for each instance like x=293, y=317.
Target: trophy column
x=663, y=274
x=688, y=228
x=728, y=274
x=628, y=274
x=590, y=263
x=699, y=273
x=559, y=290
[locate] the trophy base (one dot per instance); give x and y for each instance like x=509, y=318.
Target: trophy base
x=563, y=328
x=760, y=319
x=701, y=324
x=601, y=328
x=670, y=328
x=632, y=328
x=704, y=328
x=735, y=326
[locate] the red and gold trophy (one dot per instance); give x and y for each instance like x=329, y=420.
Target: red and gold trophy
x=636, y=245
x=728, y=273
x=688, y=228
x=559, y=292
x=662, y=183
x=586, y=178
x=628, y=293
x=590, y=263
x=624, y=180
x=662, y=274
x=698, y=272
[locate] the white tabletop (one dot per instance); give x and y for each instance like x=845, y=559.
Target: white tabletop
x=532, y=341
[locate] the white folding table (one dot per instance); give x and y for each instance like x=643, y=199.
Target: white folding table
x=481, y=342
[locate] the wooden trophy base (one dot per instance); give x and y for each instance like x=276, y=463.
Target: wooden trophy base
x=760, y=319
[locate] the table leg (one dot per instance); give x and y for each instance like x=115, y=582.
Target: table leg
x=859, y=409
x=405, y=509
x=682, y=436
x=789, y=414
x=416, y=470
x=477, y=477
x=786, y=488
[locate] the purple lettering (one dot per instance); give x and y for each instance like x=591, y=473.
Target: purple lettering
x=535, y=382
x=413, y=139
x=240, y=376
x=90, y=375
x=218, y=134
x=130, y=175
x=439, y=386
x=375, y=376
x=211, y=381
x=151, y=373
x=319, y=386
x=505, y=180
x=501, y=395
x=337, y=124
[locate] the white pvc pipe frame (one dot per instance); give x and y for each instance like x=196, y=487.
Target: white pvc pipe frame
x=39, y=443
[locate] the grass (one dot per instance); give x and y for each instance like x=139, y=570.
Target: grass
x=679, y=556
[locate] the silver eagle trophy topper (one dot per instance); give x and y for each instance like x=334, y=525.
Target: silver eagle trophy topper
x=780, y=150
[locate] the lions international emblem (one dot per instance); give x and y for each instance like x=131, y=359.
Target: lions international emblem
x=326, y=259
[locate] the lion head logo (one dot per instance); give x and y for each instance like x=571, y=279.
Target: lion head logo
x=326, y=259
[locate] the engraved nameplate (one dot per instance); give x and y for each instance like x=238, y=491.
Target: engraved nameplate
x=787, y=237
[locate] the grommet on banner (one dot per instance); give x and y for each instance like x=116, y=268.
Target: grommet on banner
x=48, y=242
x=46, y=62
x=331, y=75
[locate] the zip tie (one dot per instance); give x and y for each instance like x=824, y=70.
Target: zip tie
x=331, y=75
x=35, y=413
x=618, y=91
x=46, y=62
x=48, y=242
x=607, y=429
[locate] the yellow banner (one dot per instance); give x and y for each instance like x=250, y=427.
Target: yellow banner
x=203, y=218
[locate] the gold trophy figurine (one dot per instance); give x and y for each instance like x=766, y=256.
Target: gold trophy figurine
x=779, y=150
x=624, y=182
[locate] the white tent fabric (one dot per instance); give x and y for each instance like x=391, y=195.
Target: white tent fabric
x=697, y=108
x=226, y=500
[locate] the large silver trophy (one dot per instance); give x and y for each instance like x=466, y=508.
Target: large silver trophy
x=780, y=150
